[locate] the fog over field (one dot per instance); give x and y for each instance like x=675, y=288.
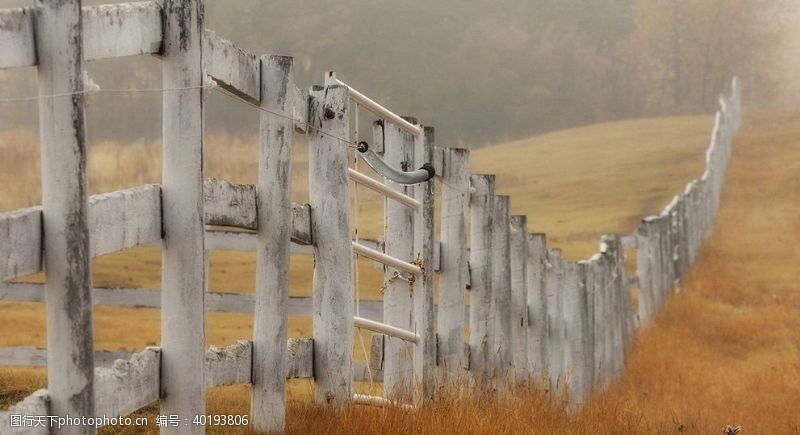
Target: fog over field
x=482, y=74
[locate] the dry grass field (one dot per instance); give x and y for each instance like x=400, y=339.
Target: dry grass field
x=725, y=351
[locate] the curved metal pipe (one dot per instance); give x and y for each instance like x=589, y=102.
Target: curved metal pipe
x=421, y=175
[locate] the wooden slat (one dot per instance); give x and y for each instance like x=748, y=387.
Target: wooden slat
x=300, y=110
x=149, y=298
x=117, y=30
x=128, y=385
x=20, y=242
x=301, y=224
x=229, y=204
x=229, y=365
x=16, y=38
x=124, y=219
x=124, y=29
x=480, y=260
x=234, y=69
x=37, y=404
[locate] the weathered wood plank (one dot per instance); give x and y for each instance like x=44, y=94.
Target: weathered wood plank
x=37, y=404
x=20, y=242
x=536, y=303
x=556, y=339
x=183, y=249
x=124, y=219
x=124, y=29
x=398, y=302
x=301, y=225
x=453, y=273
x=519, y=293
x=501, y=286
x=115, y=30
x=300, y=110
x=578, y=361
x=300, y=358
x=16, y=37
x=481, y=240
x=65, y=201
x=128, y=385
x=425, y=247
x=275, y=228
x=229, y=204
x=230, y=365
x=329, y=199
x=376, y=352
x=233, y=68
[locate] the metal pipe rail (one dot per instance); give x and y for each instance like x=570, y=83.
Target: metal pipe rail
x=379, y=187
x=374, y=107
x=386, y=259
x=421, y=175
x=391, y=331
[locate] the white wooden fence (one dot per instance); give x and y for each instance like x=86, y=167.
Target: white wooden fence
x=533, y=317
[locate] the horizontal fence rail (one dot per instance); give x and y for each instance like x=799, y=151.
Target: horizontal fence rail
x=533, y=318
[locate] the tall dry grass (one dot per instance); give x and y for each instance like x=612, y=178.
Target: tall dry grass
x=726, y=350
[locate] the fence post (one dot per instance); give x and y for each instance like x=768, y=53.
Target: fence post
x=554, y=278
x=645, y=256
x=480, y=260
x=601, y=320
x=453, y=264
x=519, y=296
x=398, y=300
x=537, y=307
x=333, y=285
x=576, y=321
x=183, y=253
x=425, y=350
x=70, y=349
x=501, y=272
x=268, y=403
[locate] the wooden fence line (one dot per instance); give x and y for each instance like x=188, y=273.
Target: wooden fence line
x=533, y=317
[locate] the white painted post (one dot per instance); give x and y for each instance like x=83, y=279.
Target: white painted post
x=501, y=273
x=453, y=263
x=268, y=403
x=70, y=349
x=519, y=296
x=481, y=251
x=183, y=274
x=554, y=279
x=333, y=285
x=425, y=350
x=537, y=308
x=398, y=302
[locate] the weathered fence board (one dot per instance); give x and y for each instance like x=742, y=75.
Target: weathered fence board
x=37, y=404
x=481, y=240
x=275, y=226
x=519, y=294
x=537, y=308
x=329, y=200
x=65, y=206
x=453, y=273
x=183, y=250
x=425, y=247
x=229, y=204
x=128, y=385
x=124, y=29
x=556, y=339
x=501, y=288
x=20, y=242
x=234, y=69
x=124, y=219
x=398, y=302
x=233, y=364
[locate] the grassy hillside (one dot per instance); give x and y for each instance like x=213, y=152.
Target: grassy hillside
x=693, y=368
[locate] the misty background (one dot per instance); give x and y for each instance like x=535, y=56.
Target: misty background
x=480, y=72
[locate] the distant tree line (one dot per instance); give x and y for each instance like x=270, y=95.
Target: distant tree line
x=482, y=72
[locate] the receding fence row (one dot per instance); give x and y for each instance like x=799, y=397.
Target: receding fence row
x=533, y=318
